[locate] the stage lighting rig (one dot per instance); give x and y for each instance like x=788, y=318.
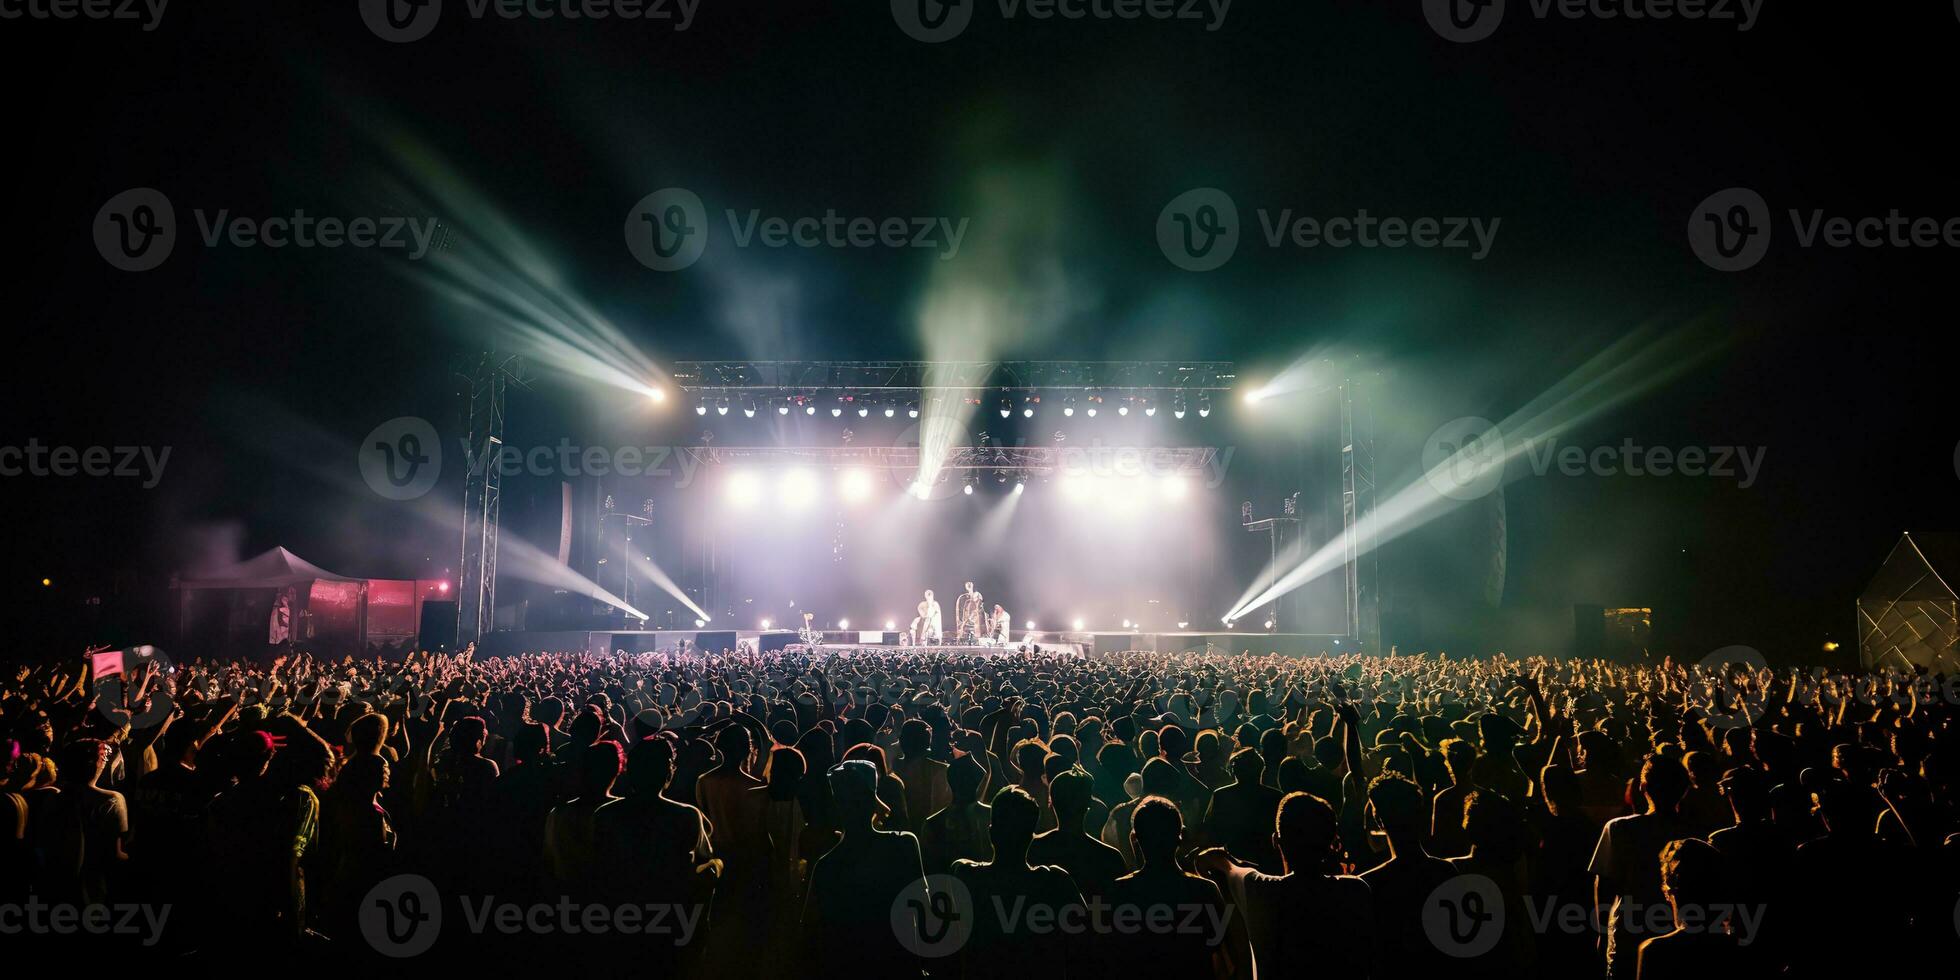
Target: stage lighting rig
x=1177, y=406
x=1068, y=407
x=1204, y=406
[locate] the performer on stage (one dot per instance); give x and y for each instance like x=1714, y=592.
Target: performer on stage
x=1001, y=625
x=967, y=615
x=926, y=628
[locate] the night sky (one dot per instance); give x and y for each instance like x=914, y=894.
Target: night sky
x=1592, y=140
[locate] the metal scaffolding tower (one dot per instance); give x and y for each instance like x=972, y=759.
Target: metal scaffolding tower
x=486, y=381
x=1358, y=536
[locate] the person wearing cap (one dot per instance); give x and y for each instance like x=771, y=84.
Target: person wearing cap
x=848, y=926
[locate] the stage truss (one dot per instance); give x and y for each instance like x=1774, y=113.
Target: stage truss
x=1036, y=461
x=807, y=377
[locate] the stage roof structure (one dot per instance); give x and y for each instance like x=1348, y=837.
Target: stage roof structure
x=1909, y=616
x=275, y=569
x=758, y=377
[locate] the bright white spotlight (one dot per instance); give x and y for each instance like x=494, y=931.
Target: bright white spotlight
x=1175, y=487
x=1030, y=624
x=1092, y=411
x=809, y=409
x=657, y=394
x=700, y=408
x=1126, y=624
x=1068, y=411
x=1078, y=623
x=864, y=411
x=1020, y=485
x=843, y=624
x=1123, y=409
x=1269, y=624
x=836, y=413
x=912, y=411
x=744, y=489
x=891, y=624
x=700, y=623
x=890, y=411
x=1183, y=625
x=721, y=407
x=854, y=485
x=798, y=489
x=765, y=624
x=920, y=490
x=967, y=489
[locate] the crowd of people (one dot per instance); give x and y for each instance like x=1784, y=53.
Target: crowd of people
x=799, y=813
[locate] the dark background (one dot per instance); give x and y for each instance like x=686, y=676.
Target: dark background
x=1592, y=140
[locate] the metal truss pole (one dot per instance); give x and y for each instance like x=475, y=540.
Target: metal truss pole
x=1358, y=536
x=486, y=384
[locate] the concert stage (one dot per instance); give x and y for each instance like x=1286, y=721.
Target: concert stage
x=1089, y=643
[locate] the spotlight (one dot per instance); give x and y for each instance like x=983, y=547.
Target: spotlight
x=748, y=407
x=1006, y=408
x=810, y=408
x=1000, y=476
x=1020, y=485
x=1269, y=624
x=968, y=489
x=765, y=624
x=1177, y=406
x=890, y=411
x=1078, y=623
x=721, y=406
x=1124, y=408
x=783, y=409
x=1028, y=404
x=657, y=394
x=744, y=490
x=891, y=624
x=700, y=623
x=911, y=410
x=1068, y=406
x=1030, y=624
x=1183, y=625
x=1204, y=406
x=700, y=406
x=843, y=624
x=797, y=488
x=1126, y=624
x=1095, y=404
x=836, y=411
x=1175, y=487
x=864, y=410
x=1149, y=407
x=854, y=485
